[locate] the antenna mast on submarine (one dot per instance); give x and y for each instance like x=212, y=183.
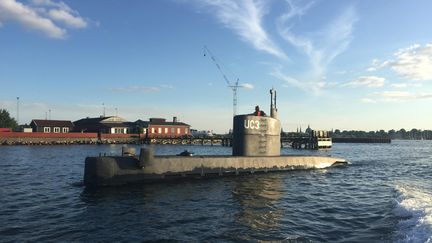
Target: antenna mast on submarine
x=273, y=107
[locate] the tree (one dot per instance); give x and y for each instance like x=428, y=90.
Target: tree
x=6, y=121
x=402, y=133
x=392, y=134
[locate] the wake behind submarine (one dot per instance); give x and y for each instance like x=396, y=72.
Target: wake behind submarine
x=255, y=149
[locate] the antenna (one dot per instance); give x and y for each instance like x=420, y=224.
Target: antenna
x=229, y=84
x=273, y=107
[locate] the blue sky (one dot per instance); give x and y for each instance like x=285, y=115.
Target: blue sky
x=363, y=65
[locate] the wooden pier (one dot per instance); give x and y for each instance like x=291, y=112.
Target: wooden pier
x=361, y=140
x=312, y=140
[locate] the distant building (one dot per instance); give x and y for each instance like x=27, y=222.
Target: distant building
x=201, y=133
x=308, y=130
x=159, y=127
x=51, y=126
x=25, y=128
x=109, y=124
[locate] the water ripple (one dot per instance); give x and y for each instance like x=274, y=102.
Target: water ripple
x=383, y=195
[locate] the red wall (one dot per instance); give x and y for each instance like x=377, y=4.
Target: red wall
x=169, y=134
x=47, y=135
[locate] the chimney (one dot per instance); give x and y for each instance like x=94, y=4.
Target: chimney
x=174, y=119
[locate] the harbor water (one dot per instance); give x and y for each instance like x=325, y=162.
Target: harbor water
x=384, y=195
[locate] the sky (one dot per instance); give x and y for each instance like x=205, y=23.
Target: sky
x=339, y=64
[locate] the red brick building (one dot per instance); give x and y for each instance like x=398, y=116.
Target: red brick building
x=160, y=128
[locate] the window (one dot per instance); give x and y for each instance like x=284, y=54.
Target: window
x=186, y=131
x=166, y=130
x=65, y=129
x=119, y=130
x=172, y=130
x=178, y=130
x=56, y=129
x=152, y=130
x=159, y=130
x=47, y=129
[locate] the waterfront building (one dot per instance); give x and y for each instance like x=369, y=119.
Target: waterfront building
x=159, y=127
x=202, y=133
x=102, y=124
x=51, y=126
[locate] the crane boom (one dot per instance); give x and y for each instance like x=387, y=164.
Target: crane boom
x=233, y=87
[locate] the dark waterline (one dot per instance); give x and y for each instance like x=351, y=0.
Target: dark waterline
x=383, y=196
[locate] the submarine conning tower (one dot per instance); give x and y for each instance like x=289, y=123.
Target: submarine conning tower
x=257, y=135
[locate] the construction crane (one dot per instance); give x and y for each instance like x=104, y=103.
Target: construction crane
x=233, y=87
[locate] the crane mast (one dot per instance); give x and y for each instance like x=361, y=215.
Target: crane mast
x=233, y=87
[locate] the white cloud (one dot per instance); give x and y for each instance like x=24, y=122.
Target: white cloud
x=247, y=85
x=376, y=65
x=277, y=73
x=10, y=10
x=367, y=81
x=167, y=86
x=323, y=45
x=67, y=18
x=46, y=4
x=413, y=63
x=406, y=85
x=41, y=16
x=399, y=85
x=367, y=100
x=307, y=86
x=245, y=18
x=397, y=96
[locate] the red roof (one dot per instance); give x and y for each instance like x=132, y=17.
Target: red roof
x=5, y=130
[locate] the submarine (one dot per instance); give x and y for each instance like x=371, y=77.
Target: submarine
x=256, y=148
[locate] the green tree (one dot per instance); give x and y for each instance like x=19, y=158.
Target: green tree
x=7, y=121
x=392, y=134
x=403, y=133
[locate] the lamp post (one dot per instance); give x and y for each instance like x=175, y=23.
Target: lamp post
x=103, y=104
x=17, y=110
